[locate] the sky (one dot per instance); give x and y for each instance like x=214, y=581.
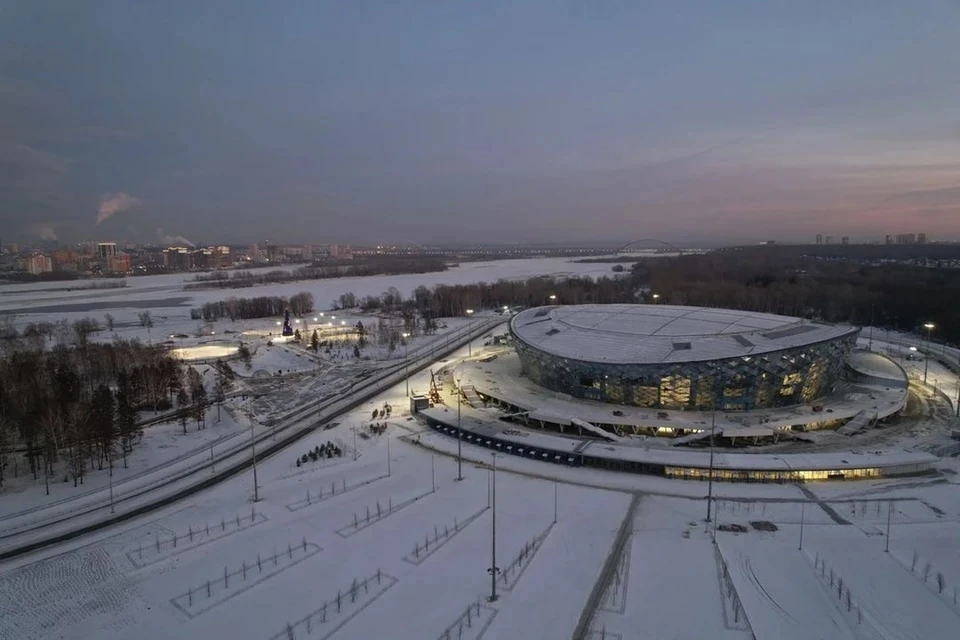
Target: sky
x=498, y=121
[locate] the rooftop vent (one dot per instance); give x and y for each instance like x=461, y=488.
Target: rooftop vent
x=553, y=331
x=743, y=342
x=789, y=331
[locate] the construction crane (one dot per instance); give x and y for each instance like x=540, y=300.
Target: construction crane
x=435, y=386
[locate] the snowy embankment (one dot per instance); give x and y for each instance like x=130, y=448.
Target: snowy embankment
x=168, y=481
x=892, y=602
x=780, y=594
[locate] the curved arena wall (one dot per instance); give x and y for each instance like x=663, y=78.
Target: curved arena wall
x=791, y=376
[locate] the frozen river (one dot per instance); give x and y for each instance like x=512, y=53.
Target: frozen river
x=165, y=296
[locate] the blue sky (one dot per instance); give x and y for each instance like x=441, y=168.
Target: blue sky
x=317, y=121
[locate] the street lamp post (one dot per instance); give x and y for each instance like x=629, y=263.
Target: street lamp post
x=886, y=542
x=926, y=356
x=553, y=298
x=802, y=506
x=713, y=426
x=469, y=331
x=111, y=484
x=459, y=458
x=253, y=454
x=655, y=297
x=406, y=361
x=493, y=540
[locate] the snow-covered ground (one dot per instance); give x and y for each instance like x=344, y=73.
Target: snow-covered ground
x=169, y=303
x=133, y=582
x=431, y=549
x=371, y=545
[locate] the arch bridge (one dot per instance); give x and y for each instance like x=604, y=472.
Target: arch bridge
x=660, y=244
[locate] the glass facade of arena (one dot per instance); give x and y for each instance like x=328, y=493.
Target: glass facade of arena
x=782, y=378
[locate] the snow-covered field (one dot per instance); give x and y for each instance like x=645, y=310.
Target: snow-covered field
x=385, y=542
x=288, y=555
x=169, y=303
x=406, y=546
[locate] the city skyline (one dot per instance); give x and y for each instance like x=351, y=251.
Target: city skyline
x=707, y=124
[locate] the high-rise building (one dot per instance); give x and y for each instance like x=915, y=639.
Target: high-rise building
x=177, y=258
x=65, y=260
x=819, y=238
x=119, y=263
x=889, y=239
x=829, y=239
x=906, y=238
x=845, y=240
x=921, y=238
x=106, y=249
x=38, y=263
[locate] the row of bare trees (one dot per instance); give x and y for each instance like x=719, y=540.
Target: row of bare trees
x=68, y=408
x=419, y=311
x=782, y=280
x=368, y=266
x=260, y=307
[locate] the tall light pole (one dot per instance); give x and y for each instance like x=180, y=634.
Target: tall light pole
x=926, y=355
x=802, y=506
x=469, y=331
x=655, y=297
x=406, y=361
x=713, y=427
x=110, y=457
x=886, y=544
x=493, y=540
x=553, y=298
x=253, y=454
x=459, y=458
x=554, y=502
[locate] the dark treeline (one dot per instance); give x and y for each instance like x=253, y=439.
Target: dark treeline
x=78, y=404
x=766, y=279
x=933, y=253
x=781, y=280
x=249, y=308
x=392, y=265
x=454, y=300
x=61, y=276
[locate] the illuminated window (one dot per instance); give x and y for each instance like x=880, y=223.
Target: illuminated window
x=674, y=391
x=646, y=396
x=814, y=381
x=705, y=393
x=790, y=382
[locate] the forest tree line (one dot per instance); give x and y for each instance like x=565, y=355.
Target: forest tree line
x=767, y=279
x=249, y=308
x=74, y=406
x=763, y=279
x=374, y=266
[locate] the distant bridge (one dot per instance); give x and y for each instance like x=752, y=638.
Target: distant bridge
x=662, y=244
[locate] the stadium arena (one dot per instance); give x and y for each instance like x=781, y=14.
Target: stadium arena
x=685, y=358
x=652, y=388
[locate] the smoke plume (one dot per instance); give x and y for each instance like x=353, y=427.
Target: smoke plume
x=114, y=203
x=171, y=241
x=45, y=231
